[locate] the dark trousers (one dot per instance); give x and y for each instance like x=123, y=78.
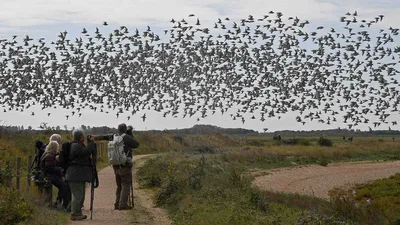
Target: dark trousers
x=123, y=177
x=64, y=193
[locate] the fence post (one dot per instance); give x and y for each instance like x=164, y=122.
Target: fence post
x=29, y=170
x=8, y=182
x=18, y=174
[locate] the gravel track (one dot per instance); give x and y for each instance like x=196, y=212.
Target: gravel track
x=315, y=180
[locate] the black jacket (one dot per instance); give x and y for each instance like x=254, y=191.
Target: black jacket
x=80, y=162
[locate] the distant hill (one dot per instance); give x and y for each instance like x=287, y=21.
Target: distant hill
x=210, y=129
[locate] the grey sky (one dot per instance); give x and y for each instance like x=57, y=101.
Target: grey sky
x=46, y=18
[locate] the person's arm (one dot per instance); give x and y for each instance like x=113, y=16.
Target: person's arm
x=79, y=150
x=85, y=151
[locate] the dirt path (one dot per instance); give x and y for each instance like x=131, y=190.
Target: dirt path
x=315, y=180
x=143, y=214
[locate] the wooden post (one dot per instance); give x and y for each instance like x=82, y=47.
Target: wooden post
x=8, y=182
x=18, y=174
x=28, y=176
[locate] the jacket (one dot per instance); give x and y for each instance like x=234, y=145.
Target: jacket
x=48, y=164
x=80, y=167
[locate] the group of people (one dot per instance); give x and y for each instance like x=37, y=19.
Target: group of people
x=71, y=181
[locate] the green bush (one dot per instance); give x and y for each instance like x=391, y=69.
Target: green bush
x=323, y=141
x=178, y=138
x=13, y=209
x=293, y=141
x=304, y=141
x=5, y=175
x=323, y=162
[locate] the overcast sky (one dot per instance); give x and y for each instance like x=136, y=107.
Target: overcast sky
x=46, y=18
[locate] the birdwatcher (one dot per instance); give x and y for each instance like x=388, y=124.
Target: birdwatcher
x=57, y=138
x=79, y=171
x=53, y=173
x=123, y=172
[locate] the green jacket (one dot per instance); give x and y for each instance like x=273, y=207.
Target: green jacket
x=80, y=168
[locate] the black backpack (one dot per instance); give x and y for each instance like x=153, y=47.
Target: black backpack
x=37, y=173
x=63, y=158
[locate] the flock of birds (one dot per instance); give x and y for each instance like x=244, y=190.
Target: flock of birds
x=250, y=69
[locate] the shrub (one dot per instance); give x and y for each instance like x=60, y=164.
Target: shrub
x=5, y=175
x=304, y=141
x=293, y=141
x=13, y=209
x=178, y=138
x=323, y=141
x=323, y=162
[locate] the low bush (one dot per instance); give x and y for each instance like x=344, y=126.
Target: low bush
x=323, y=141
x=323, y=162
x=293, y=141
x=304, y=141
x=5, y=175
x=178, y=138
x=13, y=209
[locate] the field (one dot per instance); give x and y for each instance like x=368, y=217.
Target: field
x=208, y=178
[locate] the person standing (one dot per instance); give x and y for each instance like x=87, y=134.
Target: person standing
x=79, y=171
x=123, y=173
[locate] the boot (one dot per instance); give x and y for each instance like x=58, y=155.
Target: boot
x=78, y=217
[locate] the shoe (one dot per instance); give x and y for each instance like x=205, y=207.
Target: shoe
x=78, y=217
x=116, y=207
x=125, y=208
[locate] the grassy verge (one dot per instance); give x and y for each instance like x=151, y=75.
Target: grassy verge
x=15, y=209
x=380, y=199
x=200, y=190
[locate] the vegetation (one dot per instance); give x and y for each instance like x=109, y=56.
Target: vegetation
x=204, y=177
x=203, y=190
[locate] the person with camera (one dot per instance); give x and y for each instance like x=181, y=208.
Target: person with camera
x=79, y=171
x=123, y=173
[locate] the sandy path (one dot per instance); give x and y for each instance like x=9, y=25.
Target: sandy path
x=315, y=180
x=104, y=213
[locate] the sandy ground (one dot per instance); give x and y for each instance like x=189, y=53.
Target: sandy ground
x=104, y=213
x=315, y=180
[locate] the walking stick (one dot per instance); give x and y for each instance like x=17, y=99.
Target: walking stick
x=132, y=197
x=95, y=180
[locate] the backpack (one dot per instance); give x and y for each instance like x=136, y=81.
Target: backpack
x=63, y=158
x=36, y=170
x=116, y=153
